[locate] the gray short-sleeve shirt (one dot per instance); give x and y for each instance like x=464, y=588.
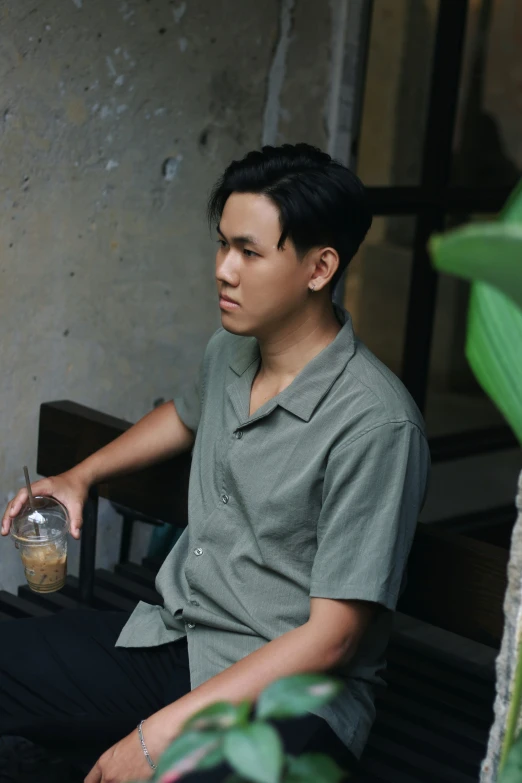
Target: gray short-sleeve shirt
x=315, y=495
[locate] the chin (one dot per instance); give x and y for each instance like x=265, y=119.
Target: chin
x=235, y=328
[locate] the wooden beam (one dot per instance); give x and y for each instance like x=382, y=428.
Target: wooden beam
x=414, y=200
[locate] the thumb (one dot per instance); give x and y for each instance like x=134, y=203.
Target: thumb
x=76, y=519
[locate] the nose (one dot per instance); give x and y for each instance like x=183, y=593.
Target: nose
x=227, y=268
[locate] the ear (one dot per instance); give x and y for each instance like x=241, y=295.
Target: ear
x=324, y=263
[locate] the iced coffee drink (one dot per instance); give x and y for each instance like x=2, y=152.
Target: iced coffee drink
x=40, y=533
x=45, y=567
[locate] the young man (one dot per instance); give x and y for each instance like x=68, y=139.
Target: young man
x=309, y=469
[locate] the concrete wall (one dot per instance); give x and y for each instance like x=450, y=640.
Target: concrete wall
x=106, y=268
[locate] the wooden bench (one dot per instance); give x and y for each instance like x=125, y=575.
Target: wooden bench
x=433, y=720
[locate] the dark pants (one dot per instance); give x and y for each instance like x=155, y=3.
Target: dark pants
x=64, y=686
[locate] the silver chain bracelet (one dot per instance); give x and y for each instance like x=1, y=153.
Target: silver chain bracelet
x=152, y=765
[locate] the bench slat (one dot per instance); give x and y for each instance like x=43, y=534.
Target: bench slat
x=55, y=602
x=102, y=599
x=456, y=583
x=118, y=584
x=431, y=741
x=18, y=607
x=428, y=770
x=435, y=716
x=137, y=573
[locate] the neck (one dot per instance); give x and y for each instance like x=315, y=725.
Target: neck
x=287, y=351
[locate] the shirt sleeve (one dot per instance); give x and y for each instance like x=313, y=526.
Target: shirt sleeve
x=188, y=402
x=373, y=491
x=189, y=399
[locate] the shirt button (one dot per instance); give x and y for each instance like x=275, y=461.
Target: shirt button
x=195, y=603
x=225, y=498
x=239, y=434
x=198, y=551
x=191, y=625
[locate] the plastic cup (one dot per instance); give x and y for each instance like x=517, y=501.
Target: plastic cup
x=40, y=534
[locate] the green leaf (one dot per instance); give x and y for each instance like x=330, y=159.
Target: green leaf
x=494, y=350
x=512, y=211
x=296, y=695
x=490, y=254
x=313, y=768
x=190, y=751
x=255, y=751
x=487, y=252
x=512, y=772
x=221, y=715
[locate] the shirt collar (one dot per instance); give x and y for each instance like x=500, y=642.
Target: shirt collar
x=316, y=379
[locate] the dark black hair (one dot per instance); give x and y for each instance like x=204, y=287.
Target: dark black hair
x=320, y=201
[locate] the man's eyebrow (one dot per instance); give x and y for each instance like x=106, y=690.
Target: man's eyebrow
x=245, y=239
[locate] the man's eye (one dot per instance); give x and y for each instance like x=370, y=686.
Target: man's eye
x=221, y=243
x=249, y=253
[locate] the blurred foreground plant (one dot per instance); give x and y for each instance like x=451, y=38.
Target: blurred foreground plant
x=248, y=742
x=490, y=255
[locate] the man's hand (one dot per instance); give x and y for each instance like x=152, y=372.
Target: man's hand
x=123, y=762
x=69, y=488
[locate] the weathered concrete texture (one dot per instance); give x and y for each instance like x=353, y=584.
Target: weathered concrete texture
x=509, y=649
x=115, y=119
x=307, y=75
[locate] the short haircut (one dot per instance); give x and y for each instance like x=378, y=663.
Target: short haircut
x=320, y=201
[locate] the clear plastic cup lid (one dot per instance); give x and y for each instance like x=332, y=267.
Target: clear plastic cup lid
x=46, y=522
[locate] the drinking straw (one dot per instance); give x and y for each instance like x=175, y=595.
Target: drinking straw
x=31, y=499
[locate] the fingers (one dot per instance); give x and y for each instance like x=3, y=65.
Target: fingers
x=66, y=493
x=95, y=775
x=18, y=502
x=13, y=508
x=6, y=520
x=42, y=487
x=76, y=523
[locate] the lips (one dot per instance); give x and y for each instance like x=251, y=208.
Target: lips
x=228, y=299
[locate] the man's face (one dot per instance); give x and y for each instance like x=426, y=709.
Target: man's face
x=268, y=286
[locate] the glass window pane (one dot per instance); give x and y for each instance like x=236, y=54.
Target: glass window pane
x=488, y=138
x=376, y=291
x=400, y=52
x=376, y=295
x=455, y=401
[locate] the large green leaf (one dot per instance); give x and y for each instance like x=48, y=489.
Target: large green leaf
x=313, y=768
x=190, y=751
x=220, y=715
x=512, y=212
x=512, y=772
x=494, y=350
x=489, y=252
x=296, y=695
x=255, y=751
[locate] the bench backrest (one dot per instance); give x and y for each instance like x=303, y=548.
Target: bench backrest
x=454, y=582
